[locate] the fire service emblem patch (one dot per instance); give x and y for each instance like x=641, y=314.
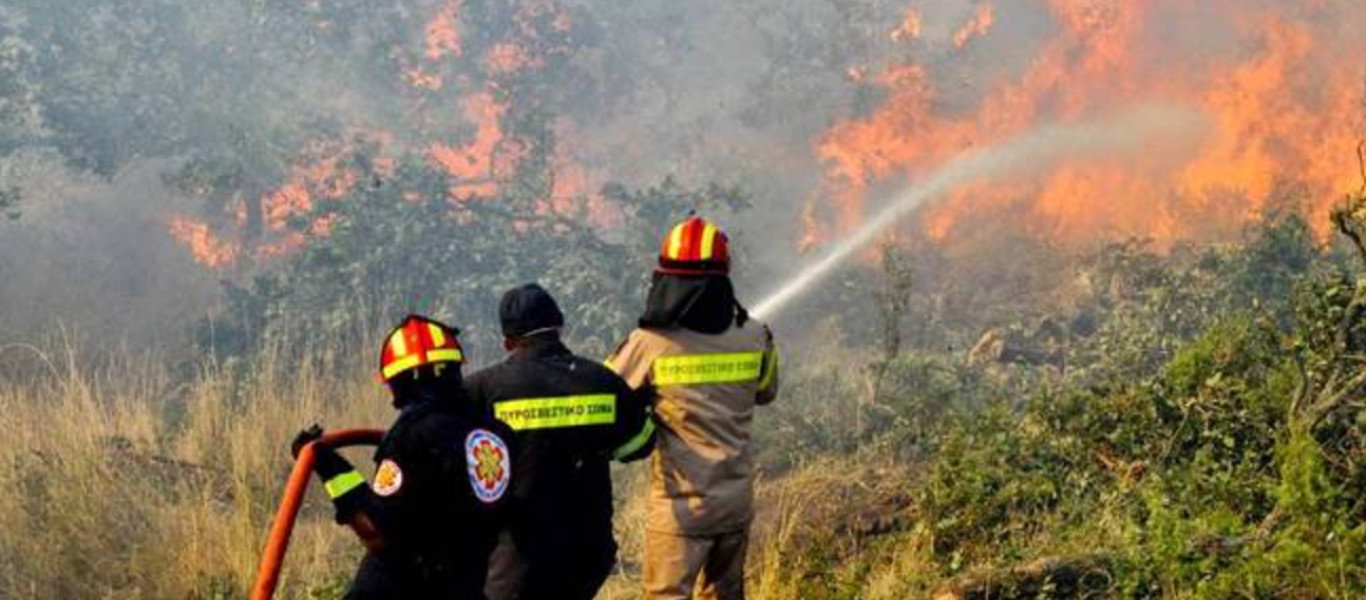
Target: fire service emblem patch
x=489, y=465
x=388, y=478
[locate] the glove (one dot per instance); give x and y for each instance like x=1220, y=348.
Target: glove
x=326, y=462
x=304, y=438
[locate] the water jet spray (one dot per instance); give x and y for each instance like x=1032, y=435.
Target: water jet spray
x=1105, y=136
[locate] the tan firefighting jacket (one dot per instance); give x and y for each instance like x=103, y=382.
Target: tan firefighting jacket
x=702, y=476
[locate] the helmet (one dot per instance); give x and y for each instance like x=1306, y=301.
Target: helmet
x=418, y=342
x=695, y=247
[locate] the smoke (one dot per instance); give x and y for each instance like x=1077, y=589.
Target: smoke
x=816, y=107
x=89, y=264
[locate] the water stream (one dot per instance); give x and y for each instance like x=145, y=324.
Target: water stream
x=1108, y=136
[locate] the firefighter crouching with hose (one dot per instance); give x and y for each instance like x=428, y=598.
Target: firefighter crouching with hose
x=711, y=365
x=571, y=417
x=431, y=515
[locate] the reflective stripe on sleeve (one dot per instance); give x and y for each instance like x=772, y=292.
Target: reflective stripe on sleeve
x=637, y=442
x=341, y=484
x=770, y=368
x=562, y=411
x=708, y=368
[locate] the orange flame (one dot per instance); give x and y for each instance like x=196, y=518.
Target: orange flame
x=443, y=34
x=324, y=178
x=980, y=24
x=478, y=163
x=1279, y=83
x=421, y=79
x=508, y=58
x=474, y=163
x=206, y=248
x=909, y=28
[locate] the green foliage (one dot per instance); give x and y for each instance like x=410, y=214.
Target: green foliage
x=1144, y=305
x=990, y=481
x=403, y=246
x=1204, y=439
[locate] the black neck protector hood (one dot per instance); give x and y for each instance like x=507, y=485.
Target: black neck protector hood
x=701, y=303
x=424, y=386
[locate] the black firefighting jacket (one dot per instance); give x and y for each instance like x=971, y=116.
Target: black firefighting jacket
x=437, y=499
x=571, y=417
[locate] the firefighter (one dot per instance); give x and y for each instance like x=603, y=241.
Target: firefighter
x=711, y=365
x=430, y=516
x=571, y=417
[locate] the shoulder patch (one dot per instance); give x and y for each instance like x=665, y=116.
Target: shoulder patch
x=489, y=465
x=388, y=478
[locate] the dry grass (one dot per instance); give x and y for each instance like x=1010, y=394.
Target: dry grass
x=121, y=482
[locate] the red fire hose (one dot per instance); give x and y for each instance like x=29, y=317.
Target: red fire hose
x=268, y=574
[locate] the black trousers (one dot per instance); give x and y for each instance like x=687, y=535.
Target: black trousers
x=558, y=571
x=378, y=580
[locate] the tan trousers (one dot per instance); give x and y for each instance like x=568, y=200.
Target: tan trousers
x=676, y=566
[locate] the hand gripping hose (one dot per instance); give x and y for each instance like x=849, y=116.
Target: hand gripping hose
x=268, y=574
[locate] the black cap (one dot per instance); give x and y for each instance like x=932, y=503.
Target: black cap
x=529, y=309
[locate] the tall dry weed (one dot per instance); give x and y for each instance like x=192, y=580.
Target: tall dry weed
x=120, y=483
x=133, y=480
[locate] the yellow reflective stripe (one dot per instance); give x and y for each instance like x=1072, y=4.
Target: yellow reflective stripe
x=562, y=411
x=445, y=354
x=675, y=242
x=607, y=362
x=438, y=338
x=708, y=240
x=637, y=442
x=770, y=368
x=400, y=365
x=341, y=484
x=398, y=343
x=689, y=369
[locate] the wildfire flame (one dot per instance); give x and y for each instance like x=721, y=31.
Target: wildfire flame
x=1281, y=83
x=980, y=24
x=909, y=28
x=477, y=163
x=206, y=248
x=474, y=163
x=443, y=33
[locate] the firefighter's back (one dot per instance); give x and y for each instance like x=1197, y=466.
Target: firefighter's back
x=708, y=386
x=571, y=417
x=440, y=480
x=562, y=409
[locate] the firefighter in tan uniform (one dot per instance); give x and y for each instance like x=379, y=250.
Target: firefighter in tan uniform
x=710, y=365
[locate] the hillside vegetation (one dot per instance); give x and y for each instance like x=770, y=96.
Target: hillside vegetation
x=994, y=413
x=1190, y=428
x=1188, y=425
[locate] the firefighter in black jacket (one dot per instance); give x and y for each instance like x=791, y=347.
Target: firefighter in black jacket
x=431, y=515
x=571, y=418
